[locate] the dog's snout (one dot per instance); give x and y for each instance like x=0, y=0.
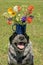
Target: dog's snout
x=21, y=38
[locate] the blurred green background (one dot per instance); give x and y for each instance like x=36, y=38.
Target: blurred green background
x=34, y=30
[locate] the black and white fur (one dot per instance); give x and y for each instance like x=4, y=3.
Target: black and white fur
x=17, y=56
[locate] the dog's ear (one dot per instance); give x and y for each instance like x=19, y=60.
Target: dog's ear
x=12, y=37
x=27, y=37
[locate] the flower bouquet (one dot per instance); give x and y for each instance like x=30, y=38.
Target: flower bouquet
x=19, y=17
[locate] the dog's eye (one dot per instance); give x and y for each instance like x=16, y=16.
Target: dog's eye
x=15, y=44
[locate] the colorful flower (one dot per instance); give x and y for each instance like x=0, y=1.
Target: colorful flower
x=15, y=8
x=30, y=8
x=29, y=19
x=10, y=10
x=19, y=8
x=5, y=14
x=23, y=19
x=17, y=16
x=9, y=22
x=13, y=14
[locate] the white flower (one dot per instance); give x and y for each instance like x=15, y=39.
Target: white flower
x=5, y=14
x=15, y=8
x=19, y=15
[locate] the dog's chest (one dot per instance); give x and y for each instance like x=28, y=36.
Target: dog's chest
x=20, y=59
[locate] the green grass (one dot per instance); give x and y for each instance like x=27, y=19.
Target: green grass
x=34, y=30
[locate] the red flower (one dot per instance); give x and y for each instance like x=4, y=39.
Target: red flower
x=9, y=22
x=30, y=8
x=29, y=19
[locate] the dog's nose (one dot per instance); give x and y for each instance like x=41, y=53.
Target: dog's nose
x=21, y=38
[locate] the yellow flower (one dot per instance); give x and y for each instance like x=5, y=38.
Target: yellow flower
x=11, y=12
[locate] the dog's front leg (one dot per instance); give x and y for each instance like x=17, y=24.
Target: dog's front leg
x=10, y=64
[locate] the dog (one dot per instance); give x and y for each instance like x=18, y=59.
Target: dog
x=20, y=50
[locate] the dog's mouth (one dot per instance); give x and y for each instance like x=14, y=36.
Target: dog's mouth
x=20, y=45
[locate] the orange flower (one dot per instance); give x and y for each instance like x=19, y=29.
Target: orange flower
x=19, y=8
x=30, y=8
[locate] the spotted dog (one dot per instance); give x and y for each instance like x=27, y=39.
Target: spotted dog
x=20, y=50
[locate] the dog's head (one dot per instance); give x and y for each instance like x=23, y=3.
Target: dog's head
x=19, y=41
